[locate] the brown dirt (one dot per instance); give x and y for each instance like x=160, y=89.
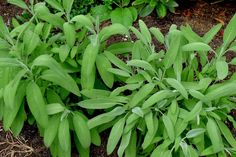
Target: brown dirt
x=201, y=16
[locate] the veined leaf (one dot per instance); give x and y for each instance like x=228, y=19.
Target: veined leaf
x=57, y=72
x=88, y=66
x=55, y=4
x=163, y=94
x=141, y=94
x=67, y=4
x=169, y=127
x=108, y=31
x=196, y=46
x=82, y=130
x=215, y=136
x=145, y=31
x=84, y=21
x=115, y=135
x=120, y=47
x=95, y=93
x=103, y=64
x=64, y=134
x=157, y=34
x=36, y=104
x=99, y=103
x=118, y=72
x=207, y=38
x=69, y=31
x=141, y=64
x=194, y=112
x=178, y=86
x=222, y=69
x=54, y=108
x=51, y=131
x=195, y=132
x=229, y=33
x=125, y=141
x=19, y=3
x=105, y=117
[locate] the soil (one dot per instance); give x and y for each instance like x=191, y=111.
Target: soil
x=200, y=15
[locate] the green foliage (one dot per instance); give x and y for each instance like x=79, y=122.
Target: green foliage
x=170, y=103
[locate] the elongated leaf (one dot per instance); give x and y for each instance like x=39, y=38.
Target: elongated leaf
x=169, y=127
x=157, y=34
x=131, y=150
x=36, y=104
x=105, y=117
x=211, y=33
x=120, y=47
x=141, y=94
x=118, y=72
x=51, y=131
x=163, y=94
x=99, y=103
x=103, y=64
x=64, y=134
x=69, y=31
x=54, y=108
x=57, y=73
x=215, y=136
x=11, y=89
x=172, y=50
x=82, y=130
x=115, y=135
x=9, y=62
x=84, y=21
x=229, y=33
x=67, y=4
x=178, y=86
x=227, y=133
x=194, y=112
x=117, y=62
x=195, y=132
x=222, y=69
x=145, y=31
x=114, y=29
x=124, y=143
x=196, y=46
x=141, y=64
x=55, y=4
x=19, y=3
x=88, y=66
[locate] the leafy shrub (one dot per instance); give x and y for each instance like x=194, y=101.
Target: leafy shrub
x=172, y=103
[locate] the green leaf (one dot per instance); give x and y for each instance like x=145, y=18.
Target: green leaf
x=178, y=86
x=122, y=16
x=105, y=117
x=161, y=95
x=11, y=89
x=118, y=72
x=67, y=4
x=36, y=104
x=161, y=10
x=131, y=150
x=56, y=73
x=157, y=34
x=103, y=64
x=55, y=4
x=54, y=108
x=229, y=33
x=99, y=103
x=51, y=131
x=222, y=69
x=19, y=3
x=9, y=114
x=215, y=136
x=173, y=49
x=195, y=132
x=120, y=47
x=125, y=140
x=84, y=21
x=9, y=62
x=82, y=130
x=207, y=38
x=95, y=137
x=169, y=127
x=196, y=46
x=226, y=133
x=114, y=29
x=146, y=10
x=115, y=135
x=95, y=93
x=221, y=90
x=194, y=112
x=138, y=111
x=70, y=34
x=64, y=135
x=117, y=62
x=149, y=122
x=145, y=31
x=141, y=64
x=31, y=41
x=88, y=66
x=141, y=94
x=64, y=52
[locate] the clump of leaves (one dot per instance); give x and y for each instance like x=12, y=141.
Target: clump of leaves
x=173, y=102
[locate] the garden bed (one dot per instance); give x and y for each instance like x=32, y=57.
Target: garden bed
x=201, y=16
